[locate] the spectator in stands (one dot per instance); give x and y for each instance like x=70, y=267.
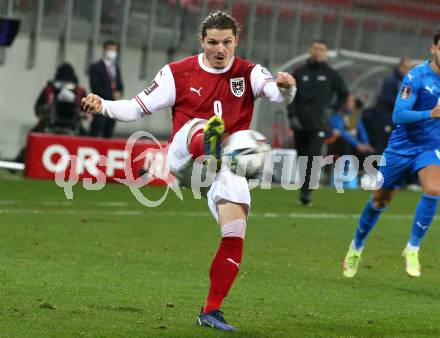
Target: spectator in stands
x=106, y=81
x=58, y=107
x=318, y=84
x=353, y=137
x=378, y=119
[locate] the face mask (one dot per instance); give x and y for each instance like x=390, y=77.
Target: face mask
x=111, y=55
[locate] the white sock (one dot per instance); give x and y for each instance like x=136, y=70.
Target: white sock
x=412, y=248
x=354, y=247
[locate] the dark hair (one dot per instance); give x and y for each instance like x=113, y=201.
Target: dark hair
x=358, y=103
x=322, y=42
x=404, y=60
x=219, y=20
x=436, y=36
x=109, y=43
x=65, y=72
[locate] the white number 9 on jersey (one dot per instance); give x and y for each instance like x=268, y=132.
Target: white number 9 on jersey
x=218, y=108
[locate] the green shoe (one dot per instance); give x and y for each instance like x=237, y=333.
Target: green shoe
x=212, y=137
x=351, y=262
x=412, y=264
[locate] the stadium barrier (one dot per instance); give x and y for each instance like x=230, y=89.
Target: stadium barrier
x=49, y=155
x=16, y=166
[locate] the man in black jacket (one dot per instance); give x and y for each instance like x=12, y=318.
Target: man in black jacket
x=321, y=90
x=379, y=118
x=105, y=81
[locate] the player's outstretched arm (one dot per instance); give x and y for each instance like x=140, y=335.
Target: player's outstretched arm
x=287, y=86
x=402, y=116
x=91, y=104
x=405, y=100
x=160, y=94
x=122, y=110
x=285, y=80
x=280, y=89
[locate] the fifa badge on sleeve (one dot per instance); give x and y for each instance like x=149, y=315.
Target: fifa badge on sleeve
x=404, y=93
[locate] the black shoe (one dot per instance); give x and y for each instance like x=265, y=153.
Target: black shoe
x=305, y=198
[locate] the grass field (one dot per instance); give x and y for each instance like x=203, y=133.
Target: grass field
x=102, y=265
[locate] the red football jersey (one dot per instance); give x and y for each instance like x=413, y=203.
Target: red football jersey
x=197, y=89
x=192, y=89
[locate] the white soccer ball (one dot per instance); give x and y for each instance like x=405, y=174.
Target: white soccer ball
x=369, y=182
x=245, y=153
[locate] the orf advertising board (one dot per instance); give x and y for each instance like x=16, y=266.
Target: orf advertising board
x=96, y=158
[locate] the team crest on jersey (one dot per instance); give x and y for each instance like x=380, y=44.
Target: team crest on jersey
x=152, y=86
x=404, y=93
x=237, y=86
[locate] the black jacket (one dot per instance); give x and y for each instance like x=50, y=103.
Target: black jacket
x=100, y=83
x=317, y=85
x=390, y=88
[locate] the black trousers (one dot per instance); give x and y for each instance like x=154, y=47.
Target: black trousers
x=308, y=143
x=343, y=147
x=102, y=126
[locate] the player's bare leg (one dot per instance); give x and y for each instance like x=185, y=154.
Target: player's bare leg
x=226, y=263
x=381, y=198
x=429, y=178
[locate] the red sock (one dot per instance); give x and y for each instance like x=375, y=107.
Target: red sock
x=196, y=145
x=223, y=271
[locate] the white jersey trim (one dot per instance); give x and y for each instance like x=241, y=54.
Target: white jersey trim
x=213, y=70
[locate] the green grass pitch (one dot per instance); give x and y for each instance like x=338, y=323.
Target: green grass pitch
x=102, y=265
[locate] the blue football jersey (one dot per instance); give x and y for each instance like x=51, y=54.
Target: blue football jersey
x=419, y=91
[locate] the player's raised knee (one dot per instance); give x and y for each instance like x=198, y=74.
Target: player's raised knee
x=381, y=203
x=432, y=191
x=234, y=228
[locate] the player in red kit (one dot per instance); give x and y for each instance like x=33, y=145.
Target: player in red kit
x=210, y=94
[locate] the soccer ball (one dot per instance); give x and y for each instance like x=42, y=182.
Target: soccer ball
x=245, y=152
x=371, y=182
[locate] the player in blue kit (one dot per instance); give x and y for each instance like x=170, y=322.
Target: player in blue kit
x=413, y=148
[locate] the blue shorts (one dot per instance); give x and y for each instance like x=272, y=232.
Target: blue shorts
x=399, y=167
